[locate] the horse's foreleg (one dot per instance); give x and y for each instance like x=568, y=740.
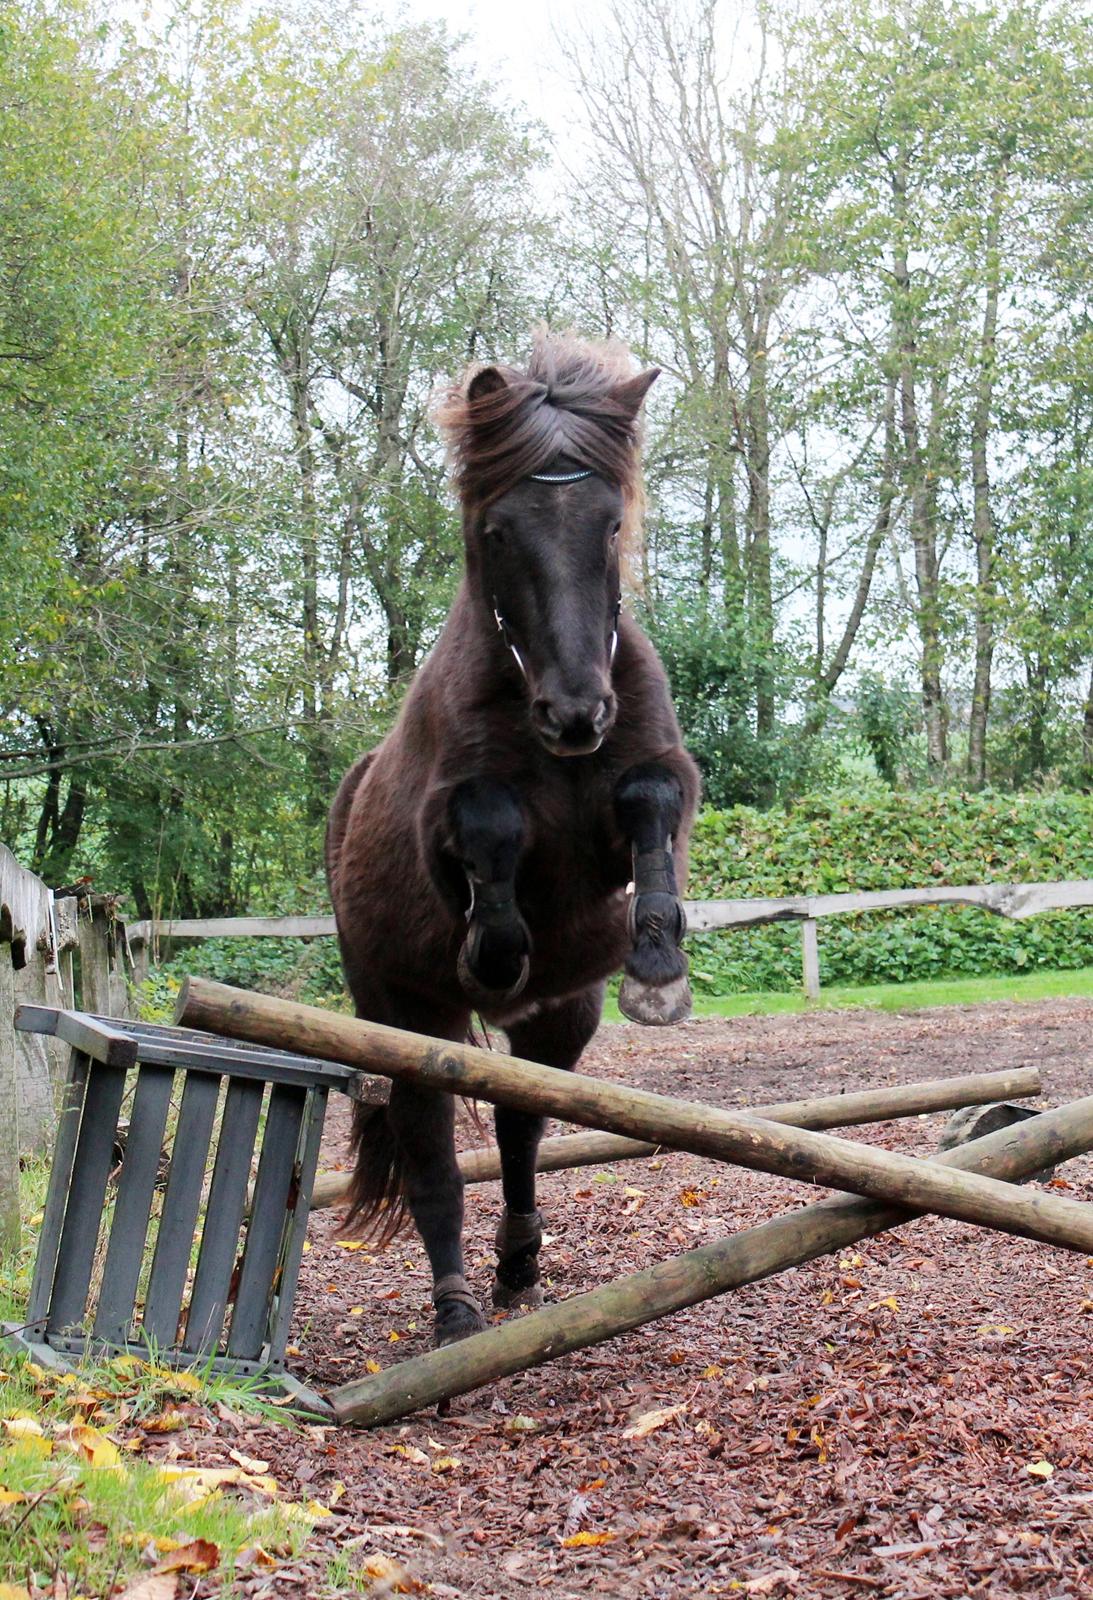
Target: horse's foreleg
x=487, y=837
x=423, y=1122
x=649, y=809
x=555, y=1035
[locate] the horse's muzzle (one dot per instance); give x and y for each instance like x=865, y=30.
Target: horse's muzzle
x=572, y=727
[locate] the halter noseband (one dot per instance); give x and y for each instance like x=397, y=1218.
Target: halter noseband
x=502, y=625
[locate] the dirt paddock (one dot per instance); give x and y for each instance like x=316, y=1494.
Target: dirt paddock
x=865, y=1425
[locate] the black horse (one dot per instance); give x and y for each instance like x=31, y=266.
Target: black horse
x=479, y=858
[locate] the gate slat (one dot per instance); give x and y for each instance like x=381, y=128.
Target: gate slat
x=87, y=1193
x=133, y=1208
x=292, y=1252
x=268, y=1217
x=223, y=1216
x=60, y=1176
x=181, y=1203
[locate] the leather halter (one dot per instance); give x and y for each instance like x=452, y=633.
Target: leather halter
x=503, y=630
x=561, y=477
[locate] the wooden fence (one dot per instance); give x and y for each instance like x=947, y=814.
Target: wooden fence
x=1016, y=901
x=56, y=953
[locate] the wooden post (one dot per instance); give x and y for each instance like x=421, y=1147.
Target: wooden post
x=810, y=958
x=787, y=1241
x=814, y=1158
x=829, y=1111
x=9, y=1109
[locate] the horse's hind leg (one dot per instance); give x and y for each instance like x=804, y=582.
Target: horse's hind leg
x=423, y=1123
x=555, y=1036
x=649, y=808
x=487, y=837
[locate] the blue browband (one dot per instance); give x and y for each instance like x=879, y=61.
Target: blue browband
x=560, y=477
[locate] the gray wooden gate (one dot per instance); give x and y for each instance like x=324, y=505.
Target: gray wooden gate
x=205, y=1276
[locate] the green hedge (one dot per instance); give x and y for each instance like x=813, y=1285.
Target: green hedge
x=873, y=839
x=879, y=839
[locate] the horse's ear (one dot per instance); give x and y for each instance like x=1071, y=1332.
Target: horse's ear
x=487, y=380
x=632, y=391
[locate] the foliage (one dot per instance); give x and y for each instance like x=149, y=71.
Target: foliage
x=830, y=844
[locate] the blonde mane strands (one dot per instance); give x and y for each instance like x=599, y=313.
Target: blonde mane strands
x=567, y=403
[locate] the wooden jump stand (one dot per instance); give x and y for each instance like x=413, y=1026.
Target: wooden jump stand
x=236, y=1104
x=250, y=1262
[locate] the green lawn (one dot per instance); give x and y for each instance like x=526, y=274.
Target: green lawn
x=895, y=996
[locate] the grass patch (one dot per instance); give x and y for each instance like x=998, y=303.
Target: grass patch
x=895, y=996
x=77, y=1500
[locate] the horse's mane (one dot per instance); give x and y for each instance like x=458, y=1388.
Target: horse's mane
x=569, y=401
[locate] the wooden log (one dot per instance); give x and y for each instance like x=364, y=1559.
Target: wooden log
x=787, y=1241
x=749, y=1141
x=828, y=1111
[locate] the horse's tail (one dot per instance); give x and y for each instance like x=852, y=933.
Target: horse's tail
x=377, y=1195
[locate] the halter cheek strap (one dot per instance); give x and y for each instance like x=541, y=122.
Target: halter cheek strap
x=503, y=630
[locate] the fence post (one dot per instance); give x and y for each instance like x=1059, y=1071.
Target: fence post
x=102, y=985
x=810, y=958
x=9, y=1108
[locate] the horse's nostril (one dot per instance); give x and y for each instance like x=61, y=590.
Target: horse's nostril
x=545, y=717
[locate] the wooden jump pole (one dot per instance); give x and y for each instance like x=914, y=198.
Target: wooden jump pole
x=749, y=1141
x=789, y=1240
x=827, y=1111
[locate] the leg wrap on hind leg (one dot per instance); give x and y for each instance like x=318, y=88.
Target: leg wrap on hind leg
x=518, y=1240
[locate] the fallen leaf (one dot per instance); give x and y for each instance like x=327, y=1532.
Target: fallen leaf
x=650, y=1421
x=581, y=1541
x=1040, y=1469
x=446, y=1463
x=248, y=1463
x=520, y=1424
x=13, y=1591
x=200, y=1555
x=395, y=1578
x=90, y=1445
x=166, y=1422
x=994, y=1327
x=372, y=1366
x=409, y=1452
x=160, y=1586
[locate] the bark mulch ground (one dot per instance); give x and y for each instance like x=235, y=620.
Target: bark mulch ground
x=865, y=1425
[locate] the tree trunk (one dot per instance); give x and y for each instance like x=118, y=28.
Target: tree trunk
x=1087, y=738
x=982, y=515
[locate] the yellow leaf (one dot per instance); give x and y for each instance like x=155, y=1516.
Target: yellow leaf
x=307, y=1246
x=318, y=1511
x=248, y=1463
x=650, y=1421
x=349, y=1244
x=13, y=1497
x=392, y=1337
x=13, y=1591
x=1040, y=1469
x=581, y=1541
x=20, y=1424
x=994, y=1327
x=182, y=1380
x=714, y=1372
x=36, y=1219
x=166, y=1422
x=889, y=1303
x=39, y=1374
x=446, y=1463
x=91, y=1445
x=356, y=1311
x=409, y=1452
x=372, y=1366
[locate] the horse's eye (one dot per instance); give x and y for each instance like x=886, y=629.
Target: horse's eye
x=614, y=535
x=493, y=533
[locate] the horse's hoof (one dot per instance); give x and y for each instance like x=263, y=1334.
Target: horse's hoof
x=458, y=1313
x=477, y=993
x=527, y=1299
x=451, y=1328
x=656, y=1007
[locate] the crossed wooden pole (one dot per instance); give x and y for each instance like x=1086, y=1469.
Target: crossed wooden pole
x=973, y=1184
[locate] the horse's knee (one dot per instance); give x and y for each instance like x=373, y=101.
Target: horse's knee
x=487, y=837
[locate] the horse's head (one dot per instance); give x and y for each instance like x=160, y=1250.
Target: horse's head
x=548, y=469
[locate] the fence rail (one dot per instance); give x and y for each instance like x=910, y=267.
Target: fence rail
x=1013, y=900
